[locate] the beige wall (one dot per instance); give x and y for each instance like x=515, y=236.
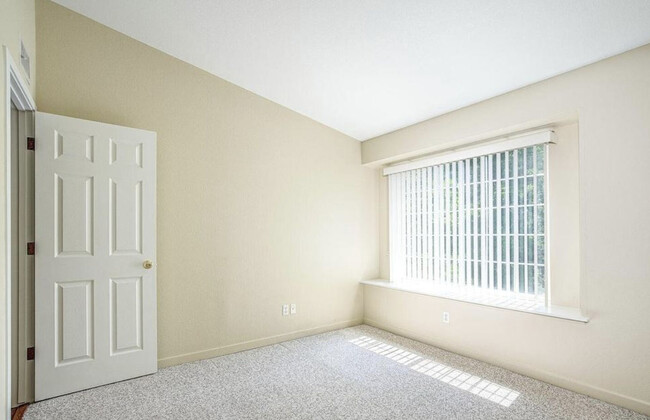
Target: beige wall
x=16, y=23
x=564, y=217
x=607, y=357
x=257, y=205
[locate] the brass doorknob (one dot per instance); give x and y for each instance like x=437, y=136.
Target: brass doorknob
x=147, y=264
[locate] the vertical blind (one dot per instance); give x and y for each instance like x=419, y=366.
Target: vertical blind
x=478, y=222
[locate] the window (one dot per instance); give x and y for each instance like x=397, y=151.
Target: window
x=475, y=219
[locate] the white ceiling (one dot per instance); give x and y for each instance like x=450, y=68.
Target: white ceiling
x=367, y=67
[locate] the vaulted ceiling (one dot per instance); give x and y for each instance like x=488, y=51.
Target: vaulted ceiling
x=368, y=67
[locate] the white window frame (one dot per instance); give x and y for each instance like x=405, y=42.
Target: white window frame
x=543, y=137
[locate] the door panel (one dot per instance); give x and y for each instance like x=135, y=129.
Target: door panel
x=95, y=226
x=73, y=215
x=125, y=206
x=126, y=314
x=73, y=146
x=74, y=329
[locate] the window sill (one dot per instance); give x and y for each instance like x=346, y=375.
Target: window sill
x=520, y=305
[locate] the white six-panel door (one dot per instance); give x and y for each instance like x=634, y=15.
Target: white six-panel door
x=95, y=235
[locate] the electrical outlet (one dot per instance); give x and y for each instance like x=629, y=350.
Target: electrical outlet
x=293, y=309
x=285, y=309
x=445, y=317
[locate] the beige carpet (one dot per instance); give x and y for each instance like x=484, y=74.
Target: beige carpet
x=355, y=373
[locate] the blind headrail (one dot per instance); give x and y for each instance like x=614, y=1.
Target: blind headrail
x=508, y=143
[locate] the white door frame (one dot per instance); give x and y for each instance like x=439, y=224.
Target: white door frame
x=16, y=92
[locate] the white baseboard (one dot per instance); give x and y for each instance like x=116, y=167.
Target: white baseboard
x=542, y=375
x=247, y=345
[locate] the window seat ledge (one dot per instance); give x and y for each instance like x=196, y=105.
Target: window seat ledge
x=520, y=305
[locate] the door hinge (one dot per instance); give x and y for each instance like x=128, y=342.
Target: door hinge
x=30, y=353
x=31, y=143
x=31, y=247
